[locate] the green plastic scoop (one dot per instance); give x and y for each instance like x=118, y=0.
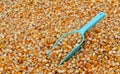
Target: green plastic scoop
x=82, y=31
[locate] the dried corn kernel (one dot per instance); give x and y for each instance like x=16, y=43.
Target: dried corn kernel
x=29, y=28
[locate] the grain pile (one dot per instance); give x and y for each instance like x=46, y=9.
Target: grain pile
x=28, y=30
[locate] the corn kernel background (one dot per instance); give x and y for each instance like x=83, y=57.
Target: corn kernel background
x=29, y=28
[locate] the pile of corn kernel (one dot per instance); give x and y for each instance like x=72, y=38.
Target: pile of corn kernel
x=29, y=28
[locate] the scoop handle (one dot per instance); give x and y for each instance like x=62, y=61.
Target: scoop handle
x=92, y=22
